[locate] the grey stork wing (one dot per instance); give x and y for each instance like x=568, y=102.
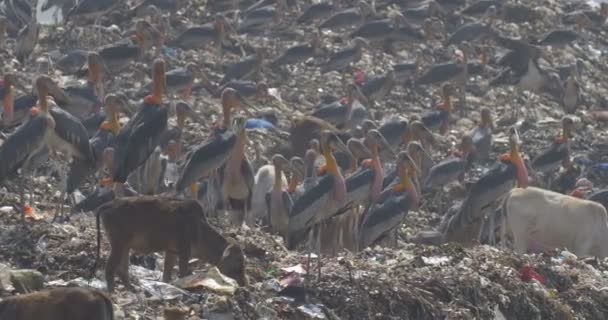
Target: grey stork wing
x=239, y=69
x=383, y=218
x=294, y=55
x=318, y=10
x=392, y=131
x=341, y=19
x=359, y=178
x=70, y=129
x=469, y=32
x=178, y=78
x=307, y=206
x=26, y=139
x=444, y=172
x=339, y=60
x=373, y=85
x=333, y=113
x=195, y=37
x=491, y=186
x=143, y=139
x=550, y=157
x=206, y=158
x=440, y=73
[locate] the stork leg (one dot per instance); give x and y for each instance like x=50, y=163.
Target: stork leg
x=319, y=256
x=59, y=208
x=22, y=199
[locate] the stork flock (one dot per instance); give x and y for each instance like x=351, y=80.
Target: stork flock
x=339, y=177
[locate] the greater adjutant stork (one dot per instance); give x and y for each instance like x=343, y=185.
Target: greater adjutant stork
x=46, y=127
x=387, y=213
x=141, y=135
x=209, y=156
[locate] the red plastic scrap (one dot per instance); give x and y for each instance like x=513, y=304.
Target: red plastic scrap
x=526, y=274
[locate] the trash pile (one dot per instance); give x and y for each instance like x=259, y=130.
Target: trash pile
x=402, y=281
x=406, y=282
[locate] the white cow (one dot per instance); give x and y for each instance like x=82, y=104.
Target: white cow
x=556, y=220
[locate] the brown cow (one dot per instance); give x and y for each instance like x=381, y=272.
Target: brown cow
x=71, y=303
x=175, y=226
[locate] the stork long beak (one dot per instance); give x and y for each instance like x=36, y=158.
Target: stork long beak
x=159, y=81
x=382, y=140
x=56, y=92
x=336, y=144
x=515, y=157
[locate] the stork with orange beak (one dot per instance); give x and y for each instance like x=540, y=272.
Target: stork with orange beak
x=141, y=135
x=210, y=155
x=393, y=204
x=47, y=126
x=7, y=98
x=440, y=117
x=84, y=100
x=482, y=195
x=558, y=153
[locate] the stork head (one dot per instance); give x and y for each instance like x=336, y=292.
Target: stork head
x=358, y=149
x=94, y=65
x=491, y=14
x=374, y=139
x=280, y=161
x=42, y=86
x=232, y=100
x=420, y=132
x=515, y=158
x=158, y=83
x=9, y=80
x=417, y=152
x=45, y=86
x=406, y=169
x=330, y=142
